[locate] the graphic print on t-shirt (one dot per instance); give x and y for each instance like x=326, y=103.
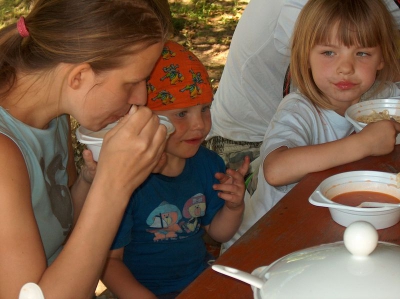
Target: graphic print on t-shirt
x=60, y=196
x=195, y=207
x=167, y=223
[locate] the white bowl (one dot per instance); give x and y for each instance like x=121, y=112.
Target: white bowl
x=375, y=181
x=392, y=105
x=94, y=140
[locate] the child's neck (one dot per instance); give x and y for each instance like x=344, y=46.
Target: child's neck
x=341, y=107
x=174, y=166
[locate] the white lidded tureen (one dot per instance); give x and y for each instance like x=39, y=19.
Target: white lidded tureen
x=359, y=267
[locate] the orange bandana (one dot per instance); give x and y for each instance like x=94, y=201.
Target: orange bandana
x=178, y=80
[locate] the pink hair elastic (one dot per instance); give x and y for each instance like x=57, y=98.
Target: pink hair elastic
x=21, y=26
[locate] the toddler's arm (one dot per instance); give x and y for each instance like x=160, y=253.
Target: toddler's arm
x=82, y=185
x=284, y=165
x=232, y=188
x=117, y=277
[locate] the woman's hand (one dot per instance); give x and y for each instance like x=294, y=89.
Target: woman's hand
x=131, y=150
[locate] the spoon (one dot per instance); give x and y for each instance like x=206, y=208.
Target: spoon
x=368, y=204
x=240, y=275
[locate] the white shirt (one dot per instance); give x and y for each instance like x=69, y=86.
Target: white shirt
x=251, y=85
x=297, y=122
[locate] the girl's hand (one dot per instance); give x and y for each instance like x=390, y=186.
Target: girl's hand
x=380, y=137
x=232, y=185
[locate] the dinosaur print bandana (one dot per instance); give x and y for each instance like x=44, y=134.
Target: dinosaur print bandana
x=179, y=80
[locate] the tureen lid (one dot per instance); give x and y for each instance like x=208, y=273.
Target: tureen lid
x=358, y=267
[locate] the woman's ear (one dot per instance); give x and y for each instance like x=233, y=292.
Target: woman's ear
x=80, y=75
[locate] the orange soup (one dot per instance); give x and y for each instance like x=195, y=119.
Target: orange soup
x=355, y=198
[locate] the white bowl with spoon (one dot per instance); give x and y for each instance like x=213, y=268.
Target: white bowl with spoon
x=367, y=182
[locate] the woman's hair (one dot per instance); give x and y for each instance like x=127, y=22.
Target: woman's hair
x=364, y=23
x=98, y=32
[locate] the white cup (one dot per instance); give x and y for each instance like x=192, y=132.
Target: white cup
x=94, y=140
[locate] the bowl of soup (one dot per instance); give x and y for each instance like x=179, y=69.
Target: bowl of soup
x=344, y=192
x=365, y=112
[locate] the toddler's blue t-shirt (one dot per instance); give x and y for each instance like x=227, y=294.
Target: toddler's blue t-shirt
x=162, y=227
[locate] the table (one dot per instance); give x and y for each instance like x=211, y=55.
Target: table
x=292, y=224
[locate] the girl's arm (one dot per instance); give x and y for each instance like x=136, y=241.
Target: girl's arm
x=227, y=220
x=120, y=281
x=284, y=165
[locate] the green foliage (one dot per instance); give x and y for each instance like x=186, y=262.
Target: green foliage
x=11, y=10
x=192, y=19
x=202, y=10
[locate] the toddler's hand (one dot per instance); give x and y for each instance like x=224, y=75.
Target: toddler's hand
x=380, y=137
x=232, y=185
x=88, y=170
x=161, y=163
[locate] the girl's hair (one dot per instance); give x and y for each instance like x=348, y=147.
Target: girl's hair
x=98, y=32
x=364, y=23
